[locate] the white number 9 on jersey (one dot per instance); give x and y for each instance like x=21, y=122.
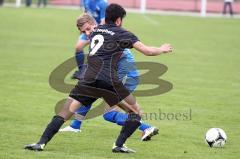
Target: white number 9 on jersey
x=97, y=42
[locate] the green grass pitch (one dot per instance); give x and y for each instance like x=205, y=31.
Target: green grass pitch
x=204, y=71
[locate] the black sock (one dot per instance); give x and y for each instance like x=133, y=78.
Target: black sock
x=131, y=124
x=51, y=129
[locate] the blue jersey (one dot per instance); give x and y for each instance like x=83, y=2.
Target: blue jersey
x=83, y=37
x=96, y=8
x=126, y=65
x=127, y=71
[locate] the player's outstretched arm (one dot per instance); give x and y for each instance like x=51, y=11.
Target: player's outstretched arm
x=152, y=51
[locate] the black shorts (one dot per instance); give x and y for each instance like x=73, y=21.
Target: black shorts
x=88, y=92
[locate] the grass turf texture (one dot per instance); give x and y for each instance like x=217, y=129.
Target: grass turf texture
x=204, y=70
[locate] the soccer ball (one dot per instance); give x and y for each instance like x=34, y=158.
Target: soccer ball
x=216, y=137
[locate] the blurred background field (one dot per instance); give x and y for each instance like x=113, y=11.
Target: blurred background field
x=204, y=71
x=212, y=6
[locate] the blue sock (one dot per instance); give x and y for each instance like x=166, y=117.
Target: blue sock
x=110, y=116
x=120, y=118
x=76, y=124
x=116, y=117
x=144, y=126
x=80, y=59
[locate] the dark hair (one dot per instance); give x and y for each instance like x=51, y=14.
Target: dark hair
x=113, y=12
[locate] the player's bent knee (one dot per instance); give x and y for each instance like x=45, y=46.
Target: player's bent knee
x=69, y=108
x=134, y=117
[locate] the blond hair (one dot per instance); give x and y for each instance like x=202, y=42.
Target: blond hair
x=83, y=19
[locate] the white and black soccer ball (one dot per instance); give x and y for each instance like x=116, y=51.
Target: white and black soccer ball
x=216, y=137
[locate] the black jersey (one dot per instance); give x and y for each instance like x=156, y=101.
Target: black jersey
x=107, y=43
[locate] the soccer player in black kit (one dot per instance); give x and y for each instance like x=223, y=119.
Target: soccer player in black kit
x=100, y=80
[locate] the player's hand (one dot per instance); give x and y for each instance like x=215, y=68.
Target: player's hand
x=166, y=48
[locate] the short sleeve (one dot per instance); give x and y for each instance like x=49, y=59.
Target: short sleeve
x=127, y=39
x=83, y=37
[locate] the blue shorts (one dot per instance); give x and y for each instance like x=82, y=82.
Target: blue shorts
x=131, y=83
x=127, y=71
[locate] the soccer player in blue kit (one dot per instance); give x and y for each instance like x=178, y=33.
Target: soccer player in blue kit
x=95, y=8
x=126, y=72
